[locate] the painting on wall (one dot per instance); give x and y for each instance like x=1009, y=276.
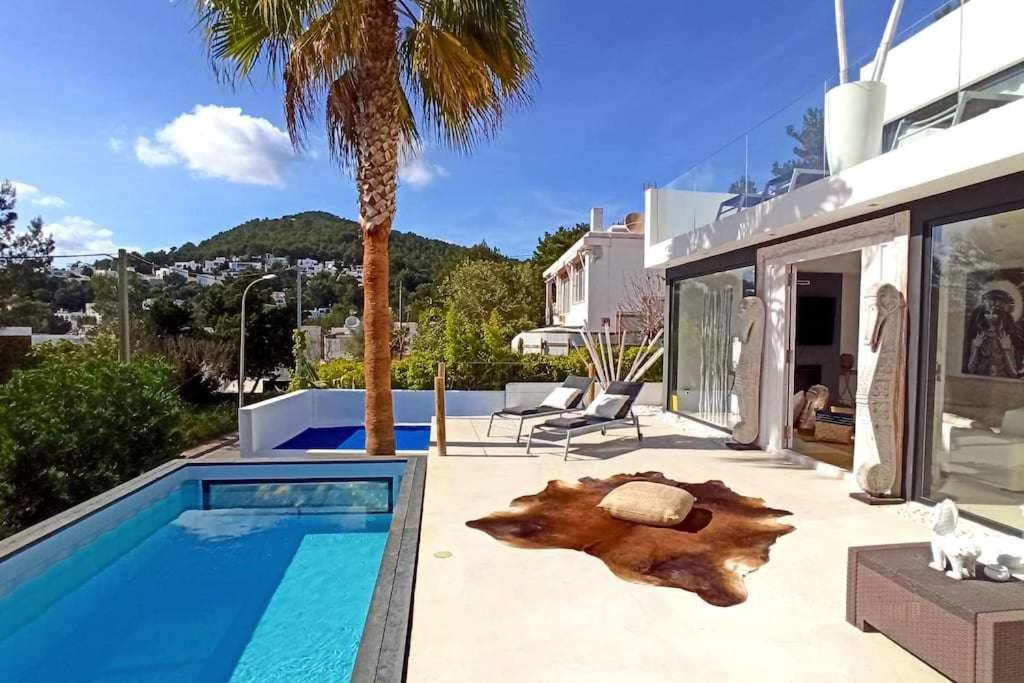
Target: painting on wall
x=994, y=329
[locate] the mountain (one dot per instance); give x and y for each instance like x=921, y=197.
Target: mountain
x=324, y=236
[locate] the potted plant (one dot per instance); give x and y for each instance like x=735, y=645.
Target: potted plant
x=854, y=110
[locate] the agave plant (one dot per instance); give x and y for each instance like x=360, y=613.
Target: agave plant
x=377, y=74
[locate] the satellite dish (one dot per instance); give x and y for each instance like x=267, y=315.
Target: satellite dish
x=351, y=322
x=634, y=221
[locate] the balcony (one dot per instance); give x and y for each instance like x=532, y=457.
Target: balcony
x=947, y=67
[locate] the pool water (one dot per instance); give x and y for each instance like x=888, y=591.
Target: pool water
x=181, y=593
x=407, y=438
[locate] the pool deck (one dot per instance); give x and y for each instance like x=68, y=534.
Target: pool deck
x=484, y=611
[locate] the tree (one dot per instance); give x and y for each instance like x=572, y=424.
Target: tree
x=510, y=289
x=24, y=260
x=365, y=63
x=168, y=318
x=809, y=151
x=644, y=304
x=743, y=186
x=553, y=244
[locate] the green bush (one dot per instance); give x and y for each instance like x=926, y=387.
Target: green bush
x=203, y=424
x=343, y=373
x=417, y=370
x=75, y=423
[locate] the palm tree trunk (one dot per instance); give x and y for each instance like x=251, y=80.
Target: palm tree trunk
x=376, y=180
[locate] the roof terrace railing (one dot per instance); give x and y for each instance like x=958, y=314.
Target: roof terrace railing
x=955, y=69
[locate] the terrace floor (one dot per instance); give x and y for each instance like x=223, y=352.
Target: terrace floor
x=492, y=612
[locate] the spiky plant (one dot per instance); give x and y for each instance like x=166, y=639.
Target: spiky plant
x=377, y=73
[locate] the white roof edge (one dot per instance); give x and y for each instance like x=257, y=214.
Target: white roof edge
x=571, y=252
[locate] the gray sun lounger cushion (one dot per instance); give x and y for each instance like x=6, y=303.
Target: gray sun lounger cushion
x=528, y=410
x=574, y=422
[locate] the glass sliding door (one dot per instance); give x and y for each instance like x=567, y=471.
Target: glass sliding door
x=704, y=344
x=974, y=442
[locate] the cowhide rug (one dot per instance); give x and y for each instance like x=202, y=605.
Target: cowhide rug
x=725, y=536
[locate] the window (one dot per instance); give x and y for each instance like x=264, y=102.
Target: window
x=704, y=346
x=974, y=435
x=578, y=287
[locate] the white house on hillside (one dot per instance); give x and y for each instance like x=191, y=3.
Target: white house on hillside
x=588, y=286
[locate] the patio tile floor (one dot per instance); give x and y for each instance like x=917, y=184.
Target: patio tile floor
x=489, y=612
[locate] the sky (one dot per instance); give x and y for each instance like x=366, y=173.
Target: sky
x=118, y=134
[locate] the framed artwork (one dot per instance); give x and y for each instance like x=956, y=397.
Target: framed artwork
x=994, y=329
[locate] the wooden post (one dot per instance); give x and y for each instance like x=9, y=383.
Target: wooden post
x=592, y=374
x=442, y=437
x=122, y=300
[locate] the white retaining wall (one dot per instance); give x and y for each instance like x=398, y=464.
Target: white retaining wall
x=264, y=426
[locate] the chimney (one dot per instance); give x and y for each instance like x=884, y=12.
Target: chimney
x=597, y=219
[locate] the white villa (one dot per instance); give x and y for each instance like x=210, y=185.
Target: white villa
x=936, y=210
x=588, y=286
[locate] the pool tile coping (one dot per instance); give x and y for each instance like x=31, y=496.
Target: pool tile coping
x=383, y=649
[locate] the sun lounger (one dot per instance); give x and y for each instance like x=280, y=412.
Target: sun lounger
x=584, y=424
x=524, y=412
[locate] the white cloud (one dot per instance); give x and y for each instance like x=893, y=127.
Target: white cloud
x=416, y=170
x=220, y=142
x=115, y=145
x=34, y=195
x=152, y=154
x=78, y=235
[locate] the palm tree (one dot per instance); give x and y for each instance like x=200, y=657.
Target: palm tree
x=363, y=65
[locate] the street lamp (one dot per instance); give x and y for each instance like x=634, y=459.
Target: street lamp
x=241, y=348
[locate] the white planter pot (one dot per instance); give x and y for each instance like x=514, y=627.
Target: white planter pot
x=853, y=123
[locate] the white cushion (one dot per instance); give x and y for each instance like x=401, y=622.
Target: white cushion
x=560, y=397
x=606, y=405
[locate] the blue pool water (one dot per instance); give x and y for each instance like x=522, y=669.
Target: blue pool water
x=181, y=593
x=407, y=438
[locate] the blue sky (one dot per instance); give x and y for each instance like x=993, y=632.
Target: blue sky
x=119, y=134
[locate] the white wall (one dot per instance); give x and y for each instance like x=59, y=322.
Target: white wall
x=931, y=64
x=266, y=425
x=609, y=277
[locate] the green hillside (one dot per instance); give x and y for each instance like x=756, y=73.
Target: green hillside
x=324, y=236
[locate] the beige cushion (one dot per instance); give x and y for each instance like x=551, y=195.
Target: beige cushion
x=560, y=397
x=646, y=502
x=606, y=405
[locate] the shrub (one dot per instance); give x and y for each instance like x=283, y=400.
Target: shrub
x=202, y=424
x=76, y=423
x=342, y=373
x=417, y=370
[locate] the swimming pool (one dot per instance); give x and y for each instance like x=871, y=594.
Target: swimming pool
x=236, y=573
x=353, y=438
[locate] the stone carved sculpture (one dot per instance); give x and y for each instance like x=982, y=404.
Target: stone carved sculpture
x=885, y=393
x=815, y=399
x=748, y=369
x=960, y=554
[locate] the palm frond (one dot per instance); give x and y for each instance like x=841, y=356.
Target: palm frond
x=325, y=53
x=241, y=33
x=467, y=61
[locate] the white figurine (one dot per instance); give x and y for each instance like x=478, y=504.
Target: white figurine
x=961, y=554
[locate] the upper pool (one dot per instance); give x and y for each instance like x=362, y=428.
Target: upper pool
x=353, y=438
x=244, y=578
